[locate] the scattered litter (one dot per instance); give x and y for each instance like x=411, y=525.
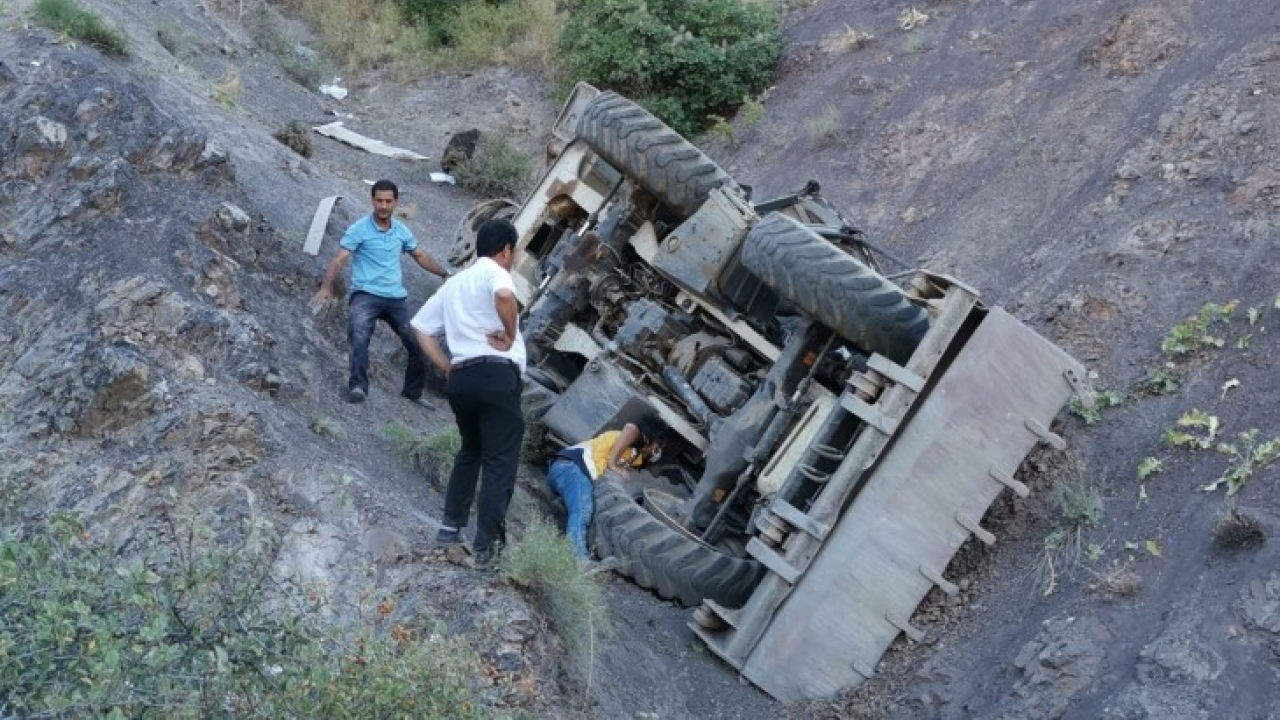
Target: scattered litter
x=1232, y=383
x=334, y=90
x=440, y=177
x=345, y=116
x=911, y=19
x=319, y=222
x=336, y=131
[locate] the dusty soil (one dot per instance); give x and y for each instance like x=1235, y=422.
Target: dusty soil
x=1102, y=172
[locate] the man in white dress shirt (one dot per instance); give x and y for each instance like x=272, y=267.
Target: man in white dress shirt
x=477, y=312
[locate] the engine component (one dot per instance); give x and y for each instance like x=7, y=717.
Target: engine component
x=720, y=385
x=681, y=387
x=647, y=321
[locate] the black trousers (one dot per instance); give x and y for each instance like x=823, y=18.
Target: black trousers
x=364, y=310
x=486, y=403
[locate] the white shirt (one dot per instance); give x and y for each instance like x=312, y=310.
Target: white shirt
x=463, y=308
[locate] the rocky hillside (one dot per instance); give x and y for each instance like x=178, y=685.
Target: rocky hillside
x=1102, y=172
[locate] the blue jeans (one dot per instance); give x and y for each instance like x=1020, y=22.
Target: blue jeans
x=578, y=493
x=364, y=310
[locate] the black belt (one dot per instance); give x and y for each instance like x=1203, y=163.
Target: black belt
x=480, y=360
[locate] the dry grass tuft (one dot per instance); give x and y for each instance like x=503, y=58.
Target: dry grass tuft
x=296, y=136
x=1118, y=581
x=227, y=92
x=1237, y=529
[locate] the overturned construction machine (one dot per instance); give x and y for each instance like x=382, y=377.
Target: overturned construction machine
x=834, y=438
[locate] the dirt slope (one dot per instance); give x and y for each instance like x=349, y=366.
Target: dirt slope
x=1102, y=171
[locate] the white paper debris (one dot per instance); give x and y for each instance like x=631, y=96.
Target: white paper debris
x=334, y=90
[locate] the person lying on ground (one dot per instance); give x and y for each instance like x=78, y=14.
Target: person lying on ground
x=575, y=469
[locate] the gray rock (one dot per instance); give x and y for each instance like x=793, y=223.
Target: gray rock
x=1179, y=659
x=1063, y=660
x=1260, y=604
x=231, y=217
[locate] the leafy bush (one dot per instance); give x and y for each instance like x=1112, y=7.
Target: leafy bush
x=191, y=629
x=683, y=60
x=66, y=16
x=497, y=168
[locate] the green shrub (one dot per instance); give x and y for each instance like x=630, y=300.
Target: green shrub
x=684, y=61
x=497, y=168
x=424, y=451
x=193, y=629
x=66, y=16
x=543, y=561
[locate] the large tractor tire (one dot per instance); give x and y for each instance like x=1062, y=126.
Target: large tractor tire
x=820, y=279
x=648, y=152
x=660, y=559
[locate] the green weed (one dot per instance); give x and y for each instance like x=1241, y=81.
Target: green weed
x=751, y=112
x=543, y=562
x=1161, y=381
x=424, y=451
x=67, y=16
x=723, y=129
x=1149, y=466
x=1246, y=455
x=914, y=44
x=327, y=427
x=1198, y=431
x=497, y=168
x=1196, y=332
x=1102, y=400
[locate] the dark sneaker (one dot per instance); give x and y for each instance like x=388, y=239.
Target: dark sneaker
x=420, y=402
x=449, y=536
x=356, y=395
x=486, y=558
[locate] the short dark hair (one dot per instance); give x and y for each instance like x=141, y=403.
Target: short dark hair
x=494, y=236
x=385, y=185
x=651, y=428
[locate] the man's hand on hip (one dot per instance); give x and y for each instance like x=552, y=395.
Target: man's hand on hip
x=499, y=341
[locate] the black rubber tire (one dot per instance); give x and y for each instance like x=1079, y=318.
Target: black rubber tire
x=648, y=152
x=822, y=280
x=660, y=559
